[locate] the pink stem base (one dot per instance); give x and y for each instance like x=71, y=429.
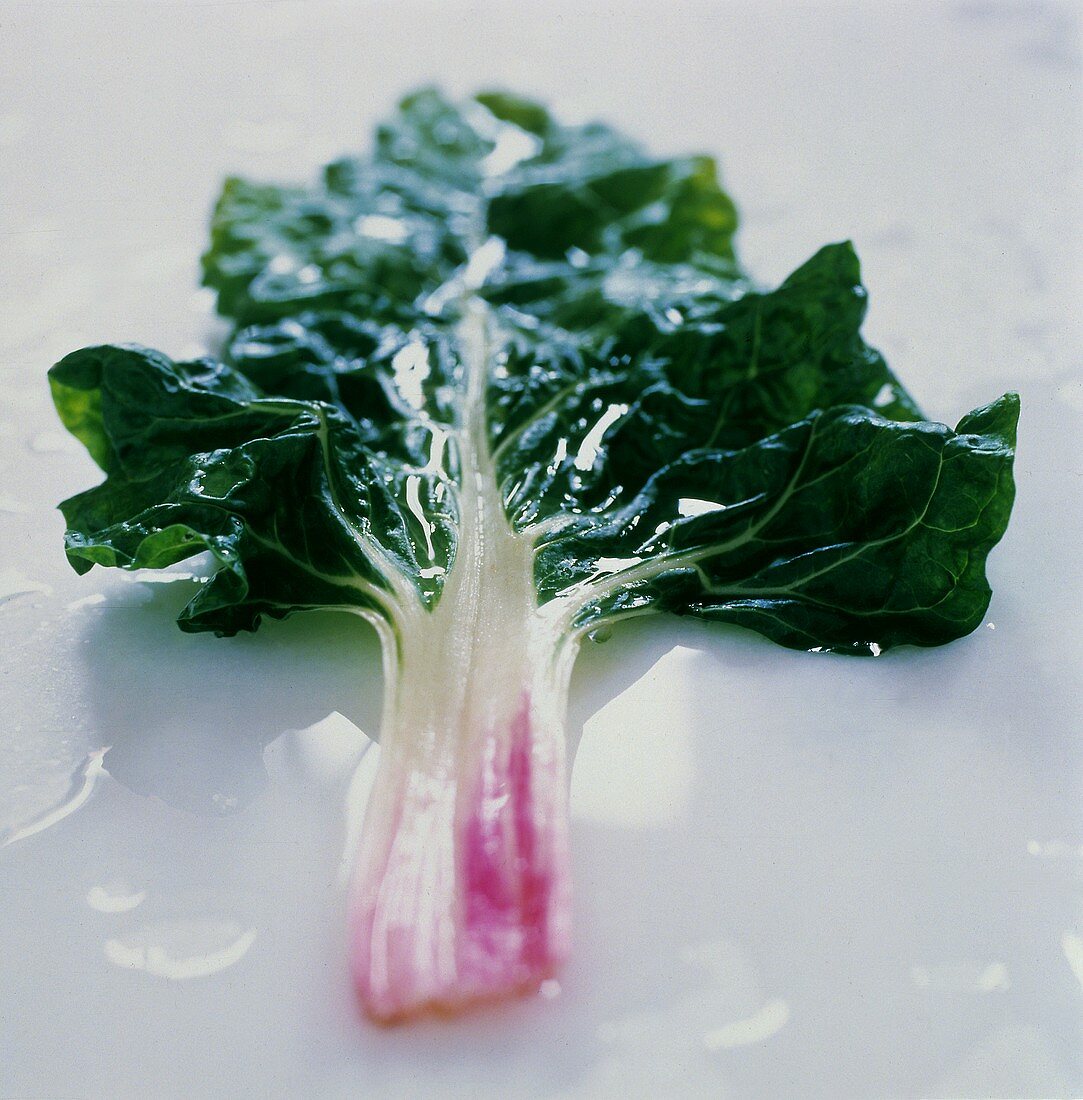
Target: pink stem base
x=463, y=888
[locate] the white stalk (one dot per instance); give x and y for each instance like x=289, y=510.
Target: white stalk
x=462, y=888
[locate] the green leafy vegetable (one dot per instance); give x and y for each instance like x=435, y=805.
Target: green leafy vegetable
x=495, y=385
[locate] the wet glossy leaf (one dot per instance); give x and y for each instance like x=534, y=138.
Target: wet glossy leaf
x=668, y=435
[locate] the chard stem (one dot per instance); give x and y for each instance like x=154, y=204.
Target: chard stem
x=462, y=889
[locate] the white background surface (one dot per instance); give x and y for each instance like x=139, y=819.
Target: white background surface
x=796, y=875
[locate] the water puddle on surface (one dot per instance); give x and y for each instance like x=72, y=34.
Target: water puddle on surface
x=770, y=1020
x=115, y=897
x=1055, y=850
x=1072, y=946
x=84, y=781
x=723, y=1008
x=962, y=977
x=180, y=950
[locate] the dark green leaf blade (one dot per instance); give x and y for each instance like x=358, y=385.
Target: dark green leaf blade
x=296, y=506
x=845, y=532
x=740, y=371
x=630, y=370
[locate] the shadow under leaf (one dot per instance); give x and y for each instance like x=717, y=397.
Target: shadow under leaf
x=188, y=716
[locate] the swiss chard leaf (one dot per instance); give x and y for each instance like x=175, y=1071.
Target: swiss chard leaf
x=493, y=386
x=303, y=503
x=667, y=436
x=845, y=531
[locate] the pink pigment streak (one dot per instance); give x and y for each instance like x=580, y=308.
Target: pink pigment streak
x=536, y=876
x=508, y=875
x=509, y=898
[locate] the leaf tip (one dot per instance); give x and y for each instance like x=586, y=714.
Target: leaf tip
x=998, y=420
